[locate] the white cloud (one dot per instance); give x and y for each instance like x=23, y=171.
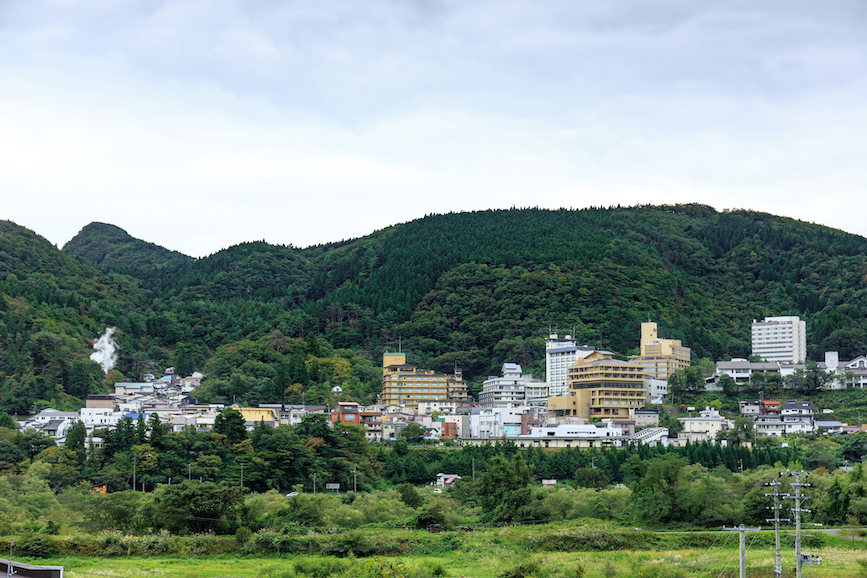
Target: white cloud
x=201, y=124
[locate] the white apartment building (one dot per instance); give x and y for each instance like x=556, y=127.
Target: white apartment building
x=782, y=339
x=561, y=353
x=704, y=427
x=797, y=416
x=657, y=389
x=847, y=374
x=512, y=389
x=100, y=417
x=496, y=422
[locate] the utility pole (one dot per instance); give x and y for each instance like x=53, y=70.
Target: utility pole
x=314, y=483
x=798, y=500
x=242, y=473
x=474, y=469
x=9, y=571
x=742, y=545
x=778, y=568
x=355, y=478
x=133, y=474
x=190, y=472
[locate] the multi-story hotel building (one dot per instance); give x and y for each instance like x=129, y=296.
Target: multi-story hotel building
x=660, y=357
x=600, y=386
x=404, y=384
x=560, y=353
x=782, y=339
x=513, y=389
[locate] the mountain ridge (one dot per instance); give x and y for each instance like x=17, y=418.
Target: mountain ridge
x=110, y=247
x=472, y=290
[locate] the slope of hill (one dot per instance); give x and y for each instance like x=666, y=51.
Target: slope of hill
x=53, y=306
x=110, y=247
x=479, y=289
x=468, y=289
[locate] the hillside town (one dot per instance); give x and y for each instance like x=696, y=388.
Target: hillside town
x=588, y=398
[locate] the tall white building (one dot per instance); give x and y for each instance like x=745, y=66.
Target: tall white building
x=561, y=353
x=782, y=339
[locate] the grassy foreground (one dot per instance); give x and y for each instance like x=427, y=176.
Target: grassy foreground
x=543, y=552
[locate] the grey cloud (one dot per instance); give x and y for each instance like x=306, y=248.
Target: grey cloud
x=355, y=58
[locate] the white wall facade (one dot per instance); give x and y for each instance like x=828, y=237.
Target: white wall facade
x=561, y=353
x=512, y=389
x=497, y=422
x=782, y=339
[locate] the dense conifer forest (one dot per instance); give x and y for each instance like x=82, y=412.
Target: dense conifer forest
x=268, y=323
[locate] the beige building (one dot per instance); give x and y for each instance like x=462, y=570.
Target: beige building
x=406, y=385
x=660, y=357
x=600, y=386
x=257, y=414
x=702, y=428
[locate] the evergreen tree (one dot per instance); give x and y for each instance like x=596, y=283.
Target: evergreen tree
x=230, y=423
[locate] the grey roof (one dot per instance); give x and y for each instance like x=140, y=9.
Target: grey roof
x=722, y=365
x=797, y=405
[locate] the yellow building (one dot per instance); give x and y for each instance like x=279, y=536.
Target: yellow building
x=600, y=386
x=256, y=414
x=404, y=384
x=660, y=357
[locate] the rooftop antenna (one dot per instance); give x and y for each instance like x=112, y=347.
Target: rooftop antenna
x=400, y=344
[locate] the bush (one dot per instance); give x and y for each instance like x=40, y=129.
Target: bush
x=429, y=516
x=432, y=569
x=321, y=567
x=244, y=534
x=37, y=545
x=410, y=496
x=522, y=570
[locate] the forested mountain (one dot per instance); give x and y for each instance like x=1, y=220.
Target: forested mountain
x=468, y=289
x=52, y=307
x=111, y=247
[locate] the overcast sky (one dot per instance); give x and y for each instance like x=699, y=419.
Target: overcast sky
x=198, y=124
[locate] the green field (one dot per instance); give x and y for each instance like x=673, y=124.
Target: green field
x=508, y=552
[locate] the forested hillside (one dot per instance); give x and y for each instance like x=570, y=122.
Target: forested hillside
x=468, y=289
x=111, y=247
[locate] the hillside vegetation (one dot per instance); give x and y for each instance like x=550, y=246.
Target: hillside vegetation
x=111, y=247
x=472, y=290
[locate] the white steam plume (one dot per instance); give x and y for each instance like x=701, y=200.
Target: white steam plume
x=106, y=350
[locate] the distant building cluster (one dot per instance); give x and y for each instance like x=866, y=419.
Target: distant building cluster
x=588, y=399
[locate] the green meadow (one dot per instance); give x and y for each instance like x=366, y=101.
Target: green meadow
x=559, y=550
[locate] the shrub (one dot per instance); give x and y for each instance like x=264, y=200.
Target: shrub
x=321, y=567
x=410, y=496
x=522, y=570
x=244, y=534
x=429, y=516
x=37, y=545
x=432, y=569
